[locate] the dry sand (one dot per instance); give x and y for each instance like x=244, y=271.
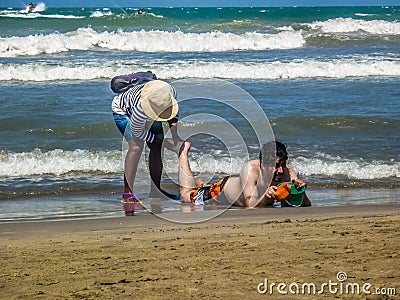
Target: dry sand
x=145, y=257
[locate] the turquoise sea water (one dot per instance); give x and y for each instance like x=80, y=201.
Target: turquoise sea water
x=326, y=78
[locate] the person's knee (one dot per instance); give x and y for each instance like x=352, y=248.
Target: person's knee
x=155, y=145
x=135, y=147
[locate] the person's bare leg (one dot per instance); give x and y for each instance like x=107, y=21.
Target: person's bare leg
x=155, y=167
x=132, y=158
x=186, y=179
x=127, y=188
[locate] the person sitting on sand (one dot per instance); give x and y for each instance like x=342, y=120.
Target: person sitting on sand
x=251, y=188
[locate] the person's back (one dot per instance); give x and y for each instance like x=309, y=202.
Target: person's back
x=249, y=189
x=246, y=189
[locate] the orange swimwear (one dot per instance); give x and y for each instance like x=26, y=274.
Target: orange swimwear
x=207, y=192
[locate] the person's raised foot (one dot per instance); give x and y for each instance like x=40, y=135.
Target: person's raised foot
x=185, y=147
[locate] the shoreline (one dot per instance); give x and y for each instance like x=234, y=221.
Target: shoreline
x=103, y=206
x=237, y=214
x=145, y=257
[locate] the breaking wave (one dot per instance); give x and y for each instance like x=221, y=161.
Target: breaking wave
x=60, y=162
x=340, y=68
x=146, y=41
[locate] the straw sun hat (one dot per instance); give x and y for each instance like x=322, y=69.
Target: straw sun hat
x=158, y=101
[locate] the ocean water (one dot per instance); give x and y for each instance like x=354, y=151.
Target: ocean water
x=326, y=80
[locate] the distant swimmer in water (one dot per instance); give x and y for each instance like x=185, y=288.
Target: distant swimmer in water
x=31, y=7
x=139, y=12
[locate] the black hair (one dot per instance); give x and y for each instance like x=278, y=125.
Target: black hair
x=269, y=151
x=281, y=151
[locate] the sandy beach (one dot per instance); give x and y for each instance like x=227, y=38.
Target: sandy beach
x=323, y=79
x=241, y=254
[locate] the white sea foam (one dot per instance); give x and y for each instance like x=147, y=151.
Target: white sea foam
x=147, y=41
x=38, y=15
x=329, y=166
x=99, y=14
x=58, y=162
x=343, y=25
x=362, y=15
x=160, y=41
x=280, y=70
x=153, y=15
x=340, y=68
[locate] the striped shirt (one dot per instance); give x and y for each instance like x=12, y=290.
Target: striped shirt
x=128, y=103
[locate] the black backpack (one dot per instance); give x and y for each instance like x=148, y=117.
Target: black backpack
x=122, y=83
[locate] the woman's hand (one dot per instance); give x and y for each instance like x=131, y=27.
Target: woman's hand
x=299, y=183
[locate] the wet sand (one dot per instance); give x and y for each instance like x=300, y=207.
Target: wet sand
x=231, y=256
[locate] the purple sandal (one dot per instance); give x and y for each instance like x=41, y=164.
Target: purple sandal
x=130, y=204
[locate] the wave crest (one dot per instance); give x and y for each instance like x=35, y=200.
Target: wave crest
x=340, y=68
x=59, y=162
x=147, y=41
x=334, y=166
x=344, y=25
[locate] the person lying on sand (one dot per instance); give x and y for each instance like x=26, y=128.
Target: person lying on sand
x=250, y=189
